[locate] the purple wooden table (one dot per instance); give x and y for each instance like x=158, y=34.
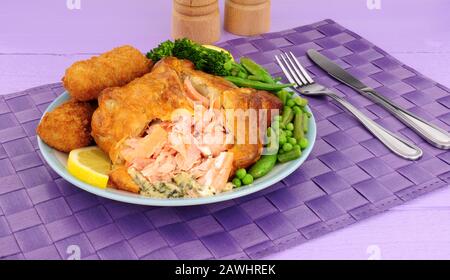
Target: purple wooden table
x=39, y=39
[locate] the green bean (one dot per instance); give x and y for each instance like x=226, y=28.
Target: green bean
x=297, y=109
x=234, y=72
x=240, y=82
x=305, y=123
x=287, y=116
x=298, y=127
x=242, y=75
x=283, y=95
x=306, y=111
x=295, y=153
x=290, y=103
x=239, y=68
x=253, y=78
x=263, y=166
x=256, y=70
x=302, y=102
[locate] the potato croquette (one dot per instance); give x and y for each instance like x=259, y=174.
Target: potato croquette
x=68, y=127
x=86, y=79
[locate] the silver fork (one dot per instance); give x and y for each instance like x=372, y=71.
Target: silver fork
x=304, y=84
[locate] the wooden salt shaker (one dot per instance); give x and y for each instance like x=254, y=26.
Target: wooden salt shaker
x=247, y=17
x=198, y=20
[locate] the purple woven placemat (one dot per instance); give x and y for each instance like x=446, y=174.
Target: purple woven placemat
x=348, y=177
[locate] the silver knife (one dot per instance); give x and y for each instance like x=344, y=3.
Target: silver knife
x=430, y=132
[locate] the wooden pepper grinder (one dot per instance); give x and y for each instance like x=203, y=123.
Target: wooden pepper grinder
x=247, y=17
x=198, y=20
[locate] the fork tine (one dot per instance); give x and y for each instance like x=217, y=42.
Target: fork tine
x=296, y=70
x=299, y=82
x=285, y=71
x=302, y=69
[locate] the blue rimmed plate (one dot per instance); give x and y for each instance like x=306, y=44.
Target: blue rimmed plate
x=57, y=161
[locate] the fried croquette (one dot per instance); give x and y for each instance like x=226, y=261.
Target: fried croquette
x=68, y=127
x=85, y=80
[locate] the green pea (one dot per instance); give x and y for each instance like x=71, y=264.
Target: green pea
x=287, y=147
x=282, y=126
x=290, y=126
x=240, y=173
x=292, y=140
x=237, y=182
x=290, y=103
x=282, y=140
x=303, y=143
x=288, y=133
x=247, y=180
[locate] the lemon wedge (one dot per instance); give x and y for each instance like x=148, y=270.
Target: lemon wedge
x=219, y=49
x=90, y=165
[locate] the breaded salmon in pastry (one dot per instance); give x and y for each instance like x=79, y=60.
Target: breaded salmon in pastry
x=168, y=135
x=84, y=80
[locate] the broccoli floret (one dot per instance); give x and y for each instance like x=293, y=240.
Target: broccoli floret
x=204, y=59
x=164, y=49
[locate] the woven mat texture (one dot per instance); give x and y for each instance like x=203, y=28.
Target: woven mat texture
x=349, y=176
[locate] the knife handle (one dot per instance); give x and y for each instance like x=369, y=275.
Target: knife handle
x=396, y=144
x=431, y=133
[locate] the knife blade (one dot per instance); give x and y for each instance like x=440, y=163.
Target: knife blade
x=335, y=70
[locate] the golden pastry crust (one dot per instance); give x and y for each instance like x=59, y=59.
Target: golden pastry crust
x=68, y=127
x=125, y=112
x=85, y=80
x=120, y=179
